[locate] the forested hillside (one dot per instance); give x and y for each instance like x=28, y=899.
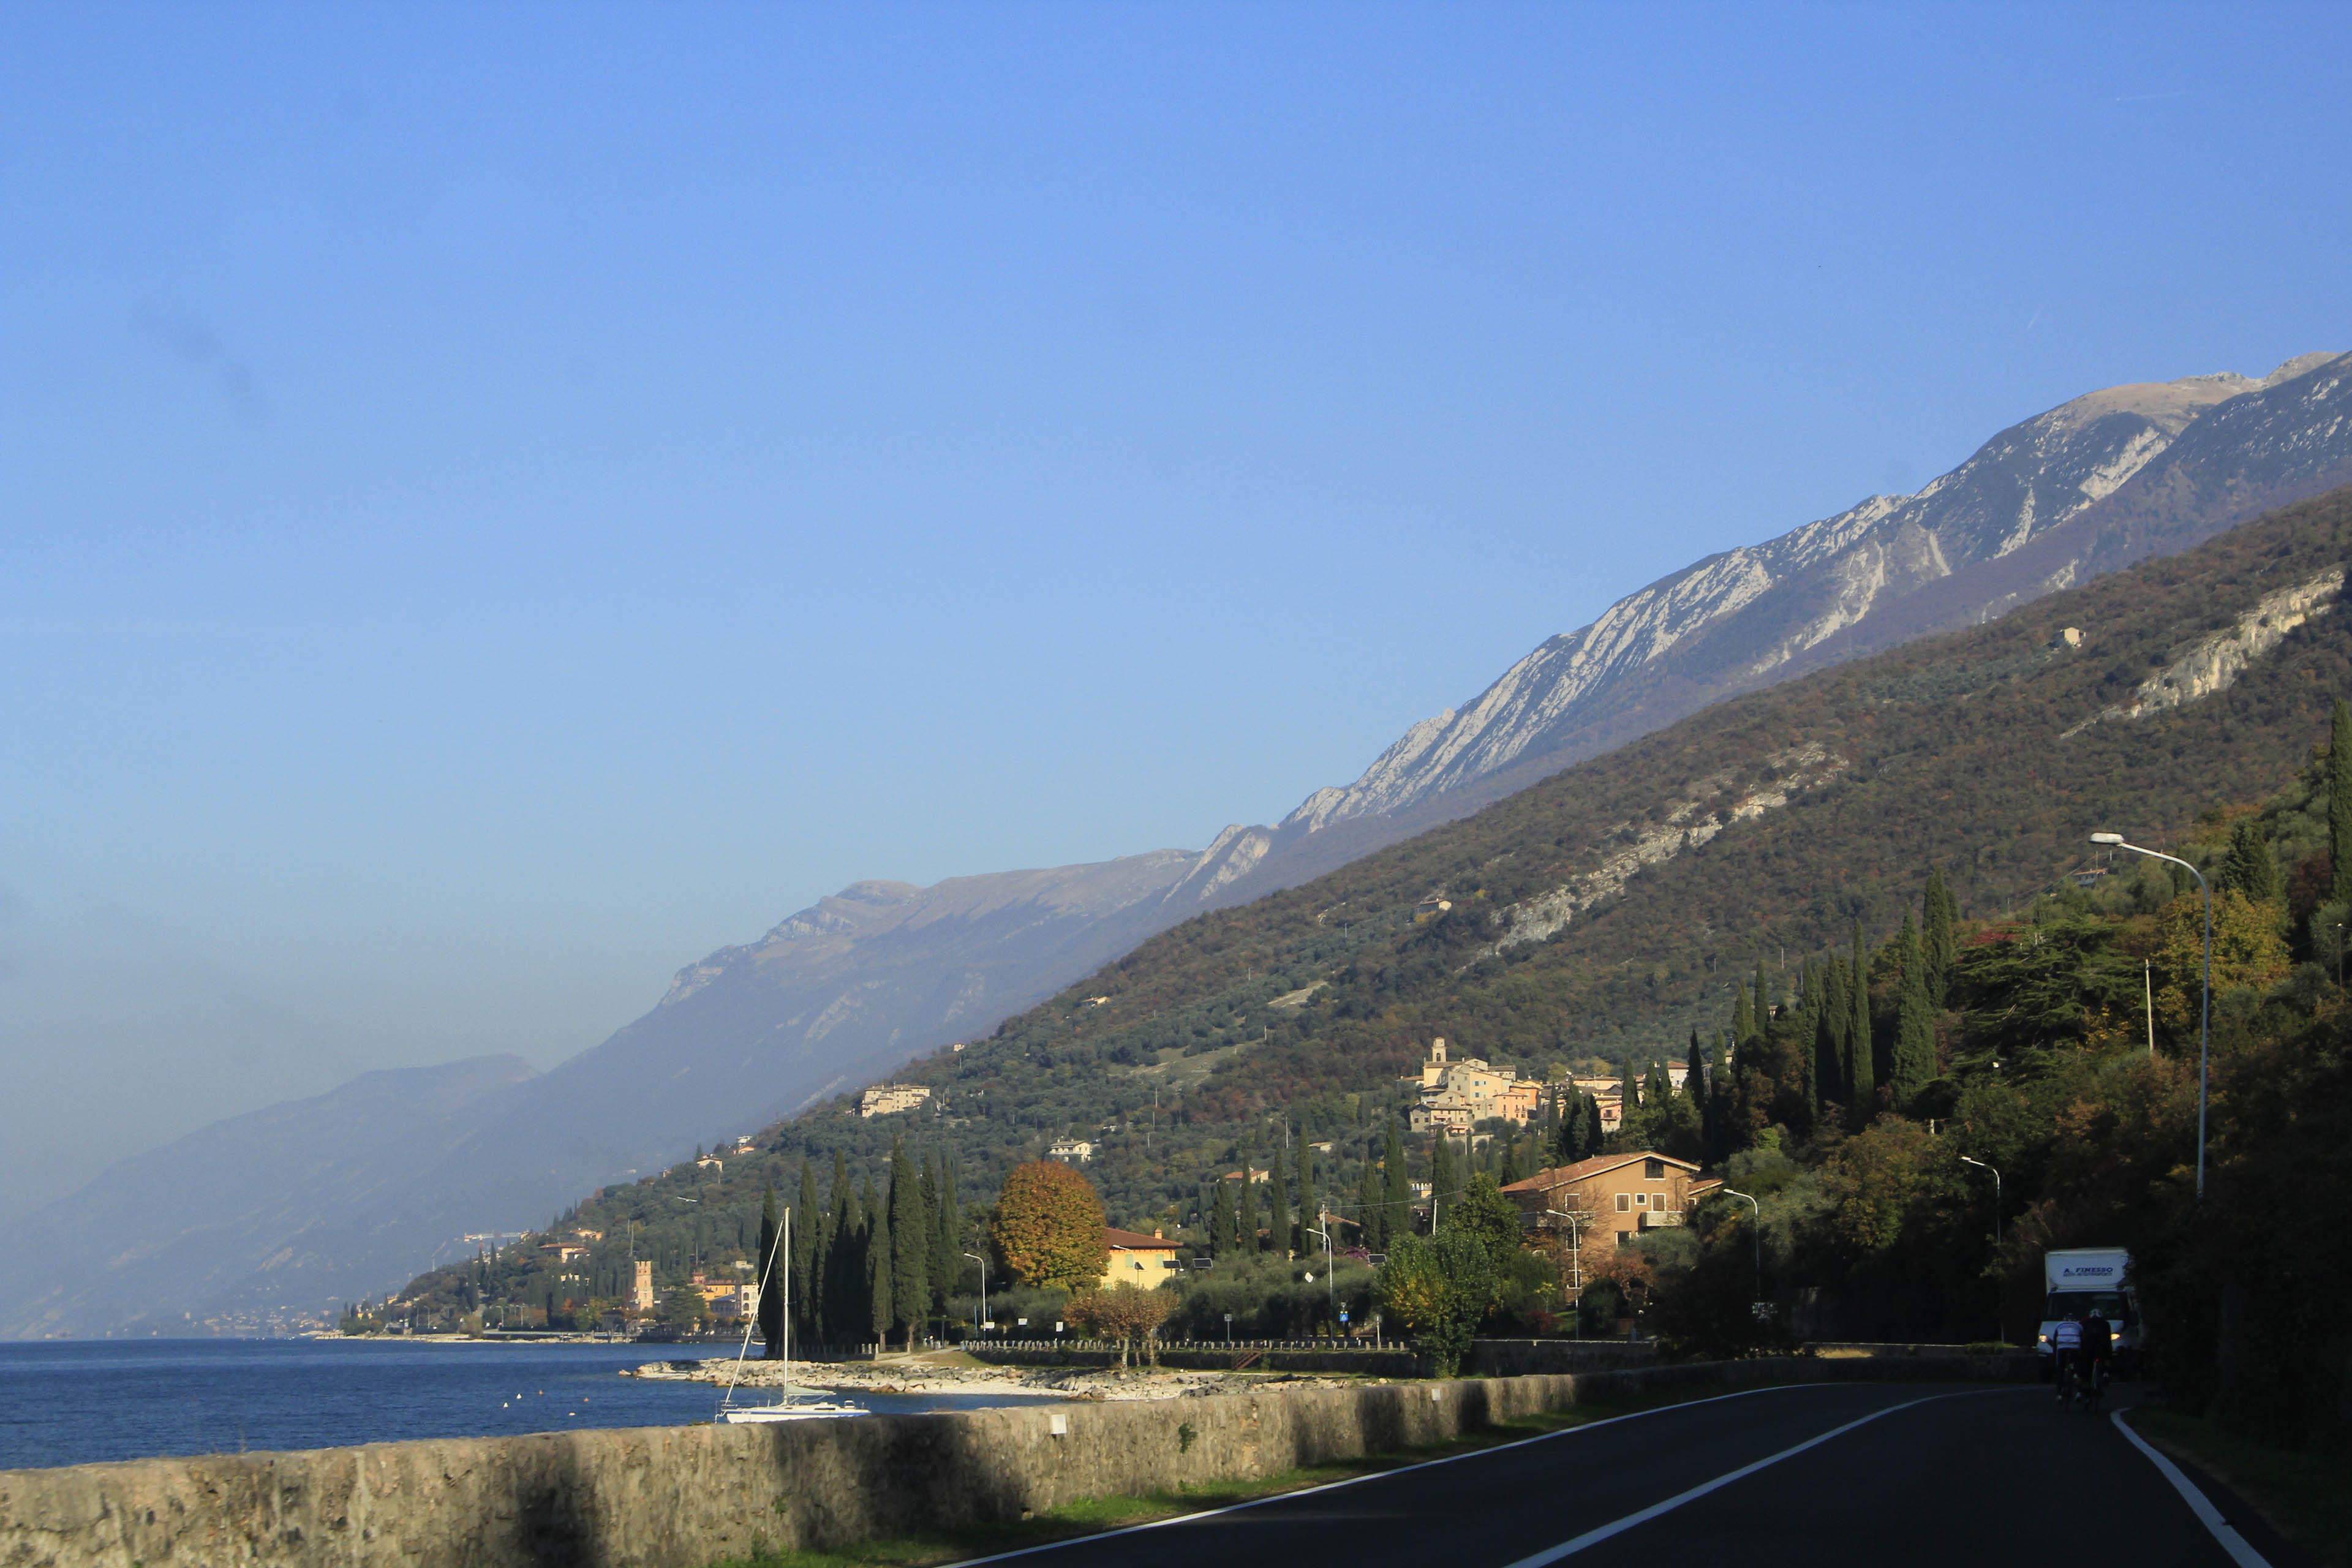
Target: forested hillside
x=1618, y=906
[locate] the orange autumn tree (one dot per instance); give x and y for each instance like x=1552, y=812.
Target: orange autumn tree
x=1049, y=1226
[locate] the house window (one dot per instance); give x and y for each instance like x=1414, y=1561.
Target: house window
x=1624, y=1238
x=1624, y=1203
x=1654, y=1170
x=1640, y=1200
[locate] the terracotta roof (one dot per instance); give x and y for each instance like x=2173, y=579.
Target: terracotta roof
x=1560, y=1175
x=1135, y=1240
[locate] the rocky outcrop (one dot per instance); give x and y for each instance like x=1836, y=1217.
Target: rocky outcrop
x=2213, y=663
x=1705, y=808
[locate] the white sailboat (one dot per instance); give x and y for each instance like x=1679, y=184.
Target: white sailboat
x=791, y=1403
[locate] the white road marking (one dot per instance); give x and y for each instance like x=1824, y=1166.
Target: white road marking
x=1595, y=1536
x=2240, y=1554
x=1402, y=1469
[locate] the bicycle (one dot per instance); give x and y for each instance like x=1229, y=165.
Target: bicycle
x=2094, y=1387
x=2070, y=1383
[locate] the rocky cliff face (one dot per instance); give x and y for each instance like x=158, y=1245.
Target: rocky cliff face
x=1756, y=609
x=2088, y=487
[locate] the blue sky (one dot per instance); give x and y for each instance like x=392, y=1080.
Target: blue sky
x=498, y=503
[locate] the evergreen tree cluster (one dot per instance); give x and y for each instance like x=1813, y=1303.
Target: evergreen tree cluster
x=869, y=1265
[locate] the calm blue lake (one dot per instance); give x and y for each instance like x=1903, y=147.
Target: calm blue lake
x=73, y=1402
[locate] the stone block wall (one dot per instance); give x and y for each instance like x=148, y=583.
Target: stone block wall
x=686, y=1497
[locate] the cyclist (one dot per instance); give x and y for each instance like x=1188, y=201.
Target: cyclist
x=2066, y=1341
x=2098, y=1347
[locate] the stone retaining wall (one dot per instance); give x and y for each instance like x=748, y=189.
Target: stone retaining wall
x=686, y=1497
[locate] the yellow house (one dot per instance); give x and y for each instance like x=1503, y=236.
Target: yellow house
x=1143, y=1261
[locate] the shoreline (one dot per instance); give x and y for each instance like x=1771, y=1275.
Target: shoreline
x=950, y=1371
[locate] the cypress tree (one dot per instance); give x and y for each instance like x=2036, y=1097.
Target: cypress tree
x=844, y=1262
x=1368, y=1208
x=1277, y=1207
x=929, y=1207
x=1510, y=1170
x=808, y=1231
x=2249, y=867
x=1941, y=945
x=1915, y=1021
x=1861, y=1067
x=1718, y=1102
x=1224, y=1224
x=1743, y=1018
x=1763, y=1002
x=1396, y=1193
x=772, y=1297
x=1245, y=1222
x=1830, y=1026
x=1595, y=1134
x=879, y=1313
x=1802, y=1027
x=910, y=1244
x=2339, y=798
x=947, y=1235
x=1308, y=1182
x=1444, y=1183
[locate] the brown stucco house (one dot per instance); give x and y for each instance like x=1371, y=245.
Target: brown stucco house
x=1611, y=1198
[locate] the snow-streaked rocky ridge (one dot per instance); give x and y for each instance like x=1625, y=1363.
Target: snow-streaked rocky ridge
x=1834, y=573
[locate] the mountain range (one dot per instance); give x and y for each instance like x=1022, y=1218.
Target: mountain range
x=276, y=1214
x=1618, y=911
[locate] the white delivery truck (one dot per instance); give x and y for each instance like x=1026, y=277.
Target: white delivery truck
x=2080, y=1280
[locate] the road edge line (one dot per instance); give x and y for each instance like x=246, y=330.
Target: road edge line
x=1383, y=1475
x=1616, y=1527
x=2225, y=1534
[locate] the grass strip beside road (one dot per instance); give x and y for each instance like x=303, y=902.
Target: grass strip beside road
x=2300, y=1492
x=1092, y=1516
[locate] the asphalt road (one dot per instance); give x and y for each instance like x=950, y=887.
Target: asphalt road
x=1909, y=1474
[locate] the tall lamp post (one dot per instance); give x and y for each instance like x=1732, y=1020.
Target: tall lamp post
x=976, y=1258
x=1758, y=1224
x=1980, y=1165
x=2205, y=1008
x=1576, y=1273
x=1330, y=1259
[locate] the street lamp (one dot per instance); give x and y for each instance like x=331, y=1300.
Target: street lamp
x=1980, y=1165
x=976, y=1258
x=2205, y=1011
x=1576, y=1273
x=1758, y=1214
x=1330, y=1265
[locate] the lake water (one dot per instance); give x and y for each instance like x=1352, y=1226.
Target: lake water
x=75, y=1401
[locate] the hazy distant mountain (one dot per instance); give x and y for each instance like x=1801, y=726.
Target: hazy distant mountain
x=260, y=1209
x=837, y=995
x=340, y=1196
